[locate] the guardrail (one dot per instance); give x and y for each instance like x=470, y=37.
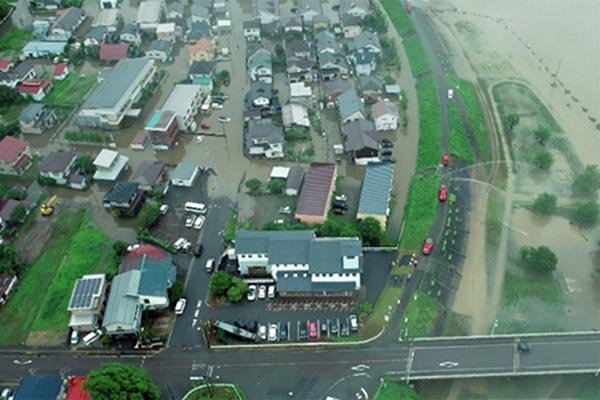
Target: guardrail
x=505, y=335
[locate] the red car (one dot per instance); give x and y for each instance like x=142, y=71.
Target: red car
x=443, y=195
x=205, y=126
x=312, y=330
x=446, y=160
x=427, y=246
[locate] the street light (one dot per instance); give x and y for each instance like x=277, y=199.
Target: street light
x=494, y=328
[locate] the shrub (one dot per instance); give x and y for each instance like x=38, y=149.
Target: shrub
x=586, y=214
x=541, y=259
x=545, y=203
x=253, y=185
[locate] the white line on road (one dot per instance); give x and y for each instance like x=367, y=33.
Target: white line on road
x=194, y=321
x=196, y=313
x=365, y=393
x=199, y=304
x=210, y=370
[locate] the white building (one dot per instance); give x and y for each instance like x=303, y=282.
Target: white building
x=149, y=15
x=110, y=166
x=385, y=114
x=185, y=101
x=87, y=302
x=185, y=174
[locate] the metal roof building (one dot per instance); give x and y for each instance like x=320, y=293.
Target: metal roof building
x=376, y=192
x=316, y=192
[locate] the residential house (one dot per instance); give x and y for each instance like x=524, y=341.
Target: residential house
x=200, y=13
x=201, y=70
x=365, y=42
x=208, y=4
x=262, y=138
x=109, y=18
x=301, y=93
x=332, y=66
x=261, y=95
x=104, y=4
x=199, y=30
x=333, y=89
x=62, y=168
x=175, y=9
x=140, y=141
x=87, y=302
x=376, y=192
x=113, y=52
x=351, y=25
x=46, y=4
x=365, y=63
x=268, y=13
x=320, y=23
x=308, y=9
x=115, y=96
x=163, y=128
x=361, y=142
x=36, y=118
x=181, y=26
x=146, y=275
x=385, y=115
x=130, y=34
x=40, y=387
x=95, y=36
x=159, y=50
x=7, y=282
x=18, y=74
x=7, y=209
x=350, y=107
x=125, y=197
x=316, y=193
x=370, y=88
x=357, y=8
x=65, y=25
x=150, y=13
x=252, y=47
x=6, y=65
x=260, y=66
x=293, y=183
x=300, y=70
x=185, y=174
x=110, y=166
x=36, y=49
x=166, y=31
x=201, y=50
x=295, y=115
x=251, y=30
x=293, y=24
x=393, y=91
x=301, y=263
x=15, y=156
x=326, y=43
x=185, y=101
x=37, y=89
x=150, y=175
x=299, y=49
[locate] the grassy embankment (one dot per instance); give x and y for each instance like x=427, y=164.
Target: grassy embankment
x=13, y=41
x=421, y=315
x=395, y=391
x=40, y=302
x=460, y=147
x=217, y=392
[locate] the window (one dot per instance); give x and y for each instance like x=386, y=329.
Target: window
x=146, y=301
x=295, y=275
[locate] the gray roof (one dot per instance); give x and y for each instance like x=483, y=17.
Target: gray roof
x=160, y=45
x=122, y=192
x=309, y=8
x=304, y=284
x=376, y=189
x=157, y=277
x=176, y=6
x=346, y=5
x=326, y=40
x=259, y=89
x=365, y=38
x=314, y=196
x=30, y=112
x=39, y=387
x=351, y=20
x=116, y=83
x=202, y=68
x=251, y=24
x=57, y=161
x=294, y=179
x=384, y=107
x=184, y=170
x=122, y=305
x=97, y=32
x=263, y=129
x=325, y=254
x=360, y=134
x=336, y=86
x=130, y=28
x=370, y=83
x=149, y=173
x=349, y=102
x=200, y=11
x=69, y=20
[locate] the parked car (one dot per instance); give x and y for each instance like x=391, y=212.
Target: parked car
x=302, y=331
x=342, y=206
x=186, y=246
x=179, y=243
x=189, y=222
x=92, y=337
x=446, y=160
x=6, y=394
x=224, y=119
x=341, y=197
x=524, y=347
x=333, y=327
x=262, y=292
x=262, y=332
x=271, y=291
x=180, y=306
x=132, y=247
x=386, y=144
x=285, y=210
x=283, y=332
x=386, y=153
x=324, y=328
x=443, y=195
x=450, y=94
x=163, y=209
x=198, y=250
x=345, y=329
x=312, y=330
x=199, y=223
x=339, y=211
x=210, y=265
x=353, y=319
x=216, y=105
x=272, y=333
x=251, y=293
x=427, y=246
x=205, y=126
x=74, y=337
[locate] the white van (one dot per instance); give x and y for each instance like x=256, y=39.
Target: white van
x=196, y=208
x=92, y=337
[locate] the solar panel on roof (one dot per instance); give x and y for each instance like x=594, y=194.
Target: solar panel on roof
x=84, y=293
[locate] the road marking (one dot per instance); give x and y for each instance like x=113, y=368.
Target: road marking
x=19, y=362
x=365, y=393
x=196, y=313
x=194, y=321
x=199, y=304
x=448, y=364
x=210, y=370
x=360, y=367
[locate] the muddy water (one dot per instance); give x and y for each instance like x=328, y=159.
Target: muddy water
x=573, y=248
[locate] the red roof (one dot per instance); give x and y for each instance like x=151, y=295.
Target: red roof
x=60, y=69
x=22, y=162
x=32, y=86
x=113, y=52
x=76, y=390
x=4, y=64
x=152, y=252
x=318, y=182
x=10, y=148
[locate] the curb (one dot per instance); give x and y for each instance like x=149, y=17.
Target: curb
x=506, y=335
x=229, y=385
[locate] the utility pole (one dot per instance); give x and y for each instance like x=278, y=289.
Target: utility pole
x=556, y=73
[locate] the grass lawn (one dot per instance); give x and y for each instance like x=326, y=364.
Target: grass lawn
x=70, y=92
x=430, y=124
x=11, y=114
x=420, y=212
x=231, y=227
x=459, y=141
x=399, y=16
x=530, y=284
x=386, y=304
x=421, y=314
x=218, y=393
x=13, y=41
x=395, y=391
x=417, y=56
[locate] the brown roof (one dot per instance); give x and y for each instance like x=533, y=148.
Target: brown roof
x=203, y=44
x=113, y=52
x=10, y=148
x=314, y=196
x=57, y=161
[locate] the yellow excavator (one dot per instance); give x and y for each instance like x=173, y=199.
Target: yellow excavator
x=47, y=208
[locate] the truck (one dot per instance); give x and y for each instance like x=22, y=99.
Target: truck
x=205, y=107
x=47, y=208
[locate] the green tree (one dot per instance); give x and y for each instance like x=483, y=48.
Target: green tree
x=511, y=121
x=86, y=164
x=335, y=227
x=375, y=21
x=224, y=78
x=176, y=291
x=276, y=186
x=541, y=259
x=586, y=214
x=18, y=214
x=15, y=194
x=119, y=247
x=9, y=263
x=542, y=135
x=220, y=282
x=253, y=185
x=370, y=231
x=237, y=290
x=9, y=129
x=587, y=182
x=7, y=95
x=149, y=215
x=365, y=309
x=390, y=53
x=545, y=203
x=121, y=382
x=543, y=160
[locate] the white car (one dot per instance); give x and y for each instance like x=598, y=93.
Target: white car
x=450, y=94
x=164, y=208
x=224, y=119
x=189, y=222
x=272, y=333
x=262, y=292
x=262, y=332
x=210, y=264
x=199, y=222
x=180, y=306
x=271, y=291
x=179, y=243
x=74, y=337
x=132, y=247
x=217, y=106
x=285, y=210
x=186, y=246
x=251, y=294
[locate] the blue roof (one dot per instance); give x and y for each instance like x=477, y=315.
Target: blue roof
x=157, y=276
x=51, y=47
x=349, y=102
x=184, y=170
x=376, y=189
x=39, y=387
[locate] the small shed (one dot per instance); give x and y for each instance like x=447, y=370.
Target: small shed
x=140, y=141
x=279, y=173
x=294, y=181
x=185, y=174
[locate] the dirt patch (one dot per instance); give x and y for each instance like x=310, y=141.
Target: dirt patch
x=46, y=338
x=31, y=243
